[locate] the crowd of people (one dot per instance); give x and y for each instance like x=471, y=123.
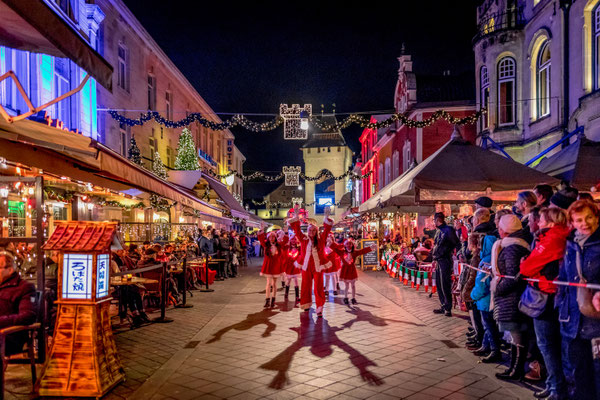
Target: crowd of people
x=547, y=236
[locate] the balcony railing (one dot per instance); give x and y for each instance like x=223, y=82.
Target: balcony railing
x=500, y=21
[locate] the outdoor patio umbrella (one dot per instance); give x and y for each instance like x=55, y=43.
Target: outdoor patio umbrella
x=578, y=164
x=460, y=171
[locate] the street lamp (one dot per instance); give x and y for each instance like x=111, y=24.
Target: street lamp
x=304, y=120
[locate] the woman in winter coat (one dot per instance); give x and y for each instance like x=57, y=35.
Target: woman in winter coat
x=543, y=263
x=467, y=282
x=312, y=259
x=581, y=264
x=506, y=292
x=271, y=268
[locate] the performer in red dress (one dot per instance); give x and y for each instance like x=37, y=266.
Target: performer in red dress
x=330, y=275
x=272, y=263
x=292, y=271
x=312, y=260
x=349, y=275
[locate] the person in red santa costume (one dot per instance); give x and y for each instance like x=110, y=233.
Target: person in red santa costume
x=274, y=245
x=348, y=275
x=330, y=275
x=312, y=259
x=291, y=269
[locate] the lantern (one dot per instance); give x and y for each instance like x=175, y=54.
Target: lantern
x=83, y=360
x=229, y=179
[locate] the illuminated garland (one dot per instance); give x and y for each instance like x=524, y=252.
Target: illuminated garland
x=159, y=203
x=236, y=120
x=279, y=204
x=51, y=194
x=274, y=178
x=240, y=120
x=402, y=119
x=113, y=203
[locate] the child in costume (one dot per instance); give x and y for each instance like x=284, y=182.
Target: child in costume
x=291, y=269
x=348, y=275
x=330, y=275
x=273, y=245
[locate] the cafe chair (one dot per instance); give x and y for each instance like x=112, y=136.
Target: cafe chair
x=33, y=331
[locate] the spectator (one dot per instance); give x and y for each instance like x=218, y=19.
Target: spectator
x=525, y=202
x=467, y=283
x=18, y=303
x=564, y=198
x=445, y=243
x=506, y=292
x=581, y=264
x=483, y=202
x=543, y=193
x=543, y=264
x=226, y=247
x=585, y=196
x=205, y=244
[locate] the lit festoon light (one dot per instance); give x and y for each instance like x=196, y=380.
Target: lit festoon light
x=4, y=192
x=230, y=179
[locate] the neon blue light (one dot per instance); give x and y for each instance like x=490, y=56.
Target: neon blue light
x=94, y=109
x=47, y=77
x=86, y=122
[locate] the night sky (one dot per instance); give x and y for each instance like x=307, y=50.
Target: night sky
x=249, y=58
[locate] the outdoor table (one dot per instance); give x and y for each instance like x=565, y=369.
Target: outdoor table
x=201, y=272
x=120, y=283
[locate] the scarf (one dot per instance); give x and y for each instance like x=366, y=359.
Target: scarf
x=496, y=249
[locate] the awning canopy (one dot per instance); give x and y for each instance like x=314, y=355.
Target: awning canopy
x=578, y=164
x=32, y=25
x=458, y=172
x=221, y=191
x=66, y=153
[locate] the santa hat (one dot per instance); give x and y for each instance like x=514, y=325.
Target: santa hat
x=349, y=240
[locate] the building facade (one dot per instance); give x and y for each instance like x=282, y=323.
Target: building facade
x=537, y=71
x=389, y=152
x=325, y=151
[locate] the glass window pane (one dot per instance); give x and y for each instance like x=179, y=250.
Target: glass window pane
x=506, y=105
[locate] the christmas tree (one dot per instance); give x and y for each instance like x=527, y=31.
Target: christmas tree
x=158, y=167
x=187, y=159
x=134, y=152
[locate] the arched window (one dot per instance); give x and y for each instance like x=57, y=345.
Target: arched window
x=543, y=80
x=380, y=181
x=596, y=45
x=506, y=91
x=484, y=81
x=396, y=164
x=388, y=171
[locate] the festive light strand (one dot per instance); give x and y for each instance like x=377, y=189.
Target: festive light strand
x=280, y=204
x=236, y=120
x=274, y=178
x=241, y=120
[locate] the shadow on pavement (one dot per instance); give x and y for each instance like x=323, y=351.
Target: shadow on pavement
x=320, y=338
x=368, y=316
x=260, y=318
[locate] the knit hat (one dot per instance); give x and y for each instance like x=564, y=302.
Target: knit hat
x=564, y=197
x=510, y=223
x=484, y=201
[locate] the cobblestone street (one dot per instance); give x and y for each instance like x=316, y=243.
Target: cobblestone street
x=390, y=345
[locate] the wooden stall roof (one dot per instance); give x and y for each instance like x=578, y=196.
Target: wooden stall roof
x=82, y=236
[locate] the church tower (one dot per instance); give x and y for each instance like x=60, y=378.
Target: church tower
x=325, y=151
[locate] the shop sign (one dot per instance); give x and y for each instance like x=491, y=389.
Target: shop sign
x=77, y=276
x=102, y=264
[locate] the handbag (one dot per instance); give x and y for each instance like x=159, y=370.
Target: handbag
x=533, y=302
x=584, y=295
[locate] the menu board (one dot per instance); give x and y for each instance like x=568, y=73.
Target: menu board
x=370, y=259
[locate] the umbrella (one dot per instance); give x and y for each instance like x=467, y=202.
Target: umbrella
x=460, y=171
x=577, y=164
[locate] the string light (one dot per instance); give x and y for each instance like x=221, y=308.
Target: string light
x=241, y=120
x=274, y=178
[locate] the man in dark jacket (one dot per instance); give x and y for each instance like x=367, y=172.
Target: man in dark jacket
x=17, y=302
x=205, y=244
x=445, y=242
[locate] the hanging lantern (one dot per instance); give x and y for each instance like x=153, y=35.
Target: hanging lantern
x=292, y=175
x=230, y=179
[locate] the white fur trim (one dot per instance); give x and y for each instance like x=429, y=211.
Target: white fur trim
x=328, y=221
x=323, y=266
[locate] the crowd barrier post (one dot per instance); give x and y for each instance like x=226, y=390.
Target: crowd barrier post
x=163, y=303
